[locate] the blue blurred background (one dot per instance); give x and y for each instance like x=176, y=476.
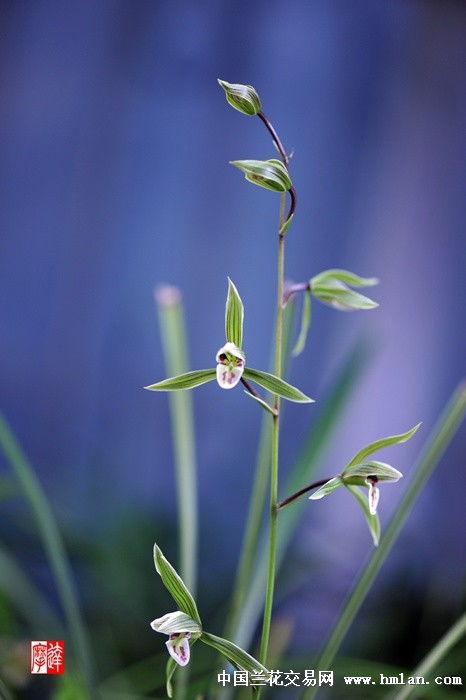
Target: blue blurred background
x=115, y=178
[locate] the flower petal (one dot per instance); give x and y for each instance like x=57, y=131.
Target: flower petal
x=175, y=623
x=178, y=648
x=229, y=375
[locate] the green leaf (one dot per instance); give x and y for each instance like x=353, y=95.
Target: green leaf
x=372, y=520
x=244, y=98
x=305, y=324
x=341, y=297
x=384, y=442
x=184, y=381
x=175, y=586
x=263, y=403
x=276, y=385
x=358, y=473
x=271, y=174
x=327, y=488
x=237, y=656
x=344, y=276
x=234, y=316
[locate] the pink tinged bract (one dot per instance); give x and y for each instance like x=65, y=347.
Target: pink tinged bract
x=178, y=647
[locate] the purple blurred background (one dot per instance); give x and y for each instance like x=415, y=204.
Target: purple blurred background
x=115, y=178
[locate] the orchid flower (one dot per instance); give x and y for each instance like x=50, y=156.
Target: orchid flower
x=179, y=628
x=184, y=627
x=231, y=364
x=360, y=472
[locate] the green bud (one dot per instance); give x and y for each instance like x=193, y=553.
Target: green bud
x=271, y=174
x=242, y=97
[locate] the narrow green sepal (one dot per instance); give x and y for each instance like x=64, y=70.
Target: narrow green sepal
x=233, y=653
x=379, y=444
x=184, y=381
x=305, y=324
x=345, y=276
x=170, y=669
x=276, y=385
x=271, y=174
x=263, y=403
x=234, y=316
x=327, y=488
x=372, y=519
x=175, y=585
x=244, y=98
x=341, y=297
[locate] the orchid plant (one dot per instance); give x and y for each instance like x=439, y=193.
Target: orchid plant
x=333, y=287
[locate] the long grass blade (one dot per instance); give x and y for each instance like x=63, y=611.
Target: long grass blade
x=439, y=440
x=172, y=327
x=52, y=542
x=435, y=656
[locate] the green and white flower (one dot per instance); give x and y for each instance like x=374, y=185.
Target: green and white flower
x=179, y=628
x=231, y=363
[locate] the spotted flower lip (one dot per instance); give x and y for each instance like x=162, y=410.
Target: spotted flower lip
x=179, y=627
x=230, y=365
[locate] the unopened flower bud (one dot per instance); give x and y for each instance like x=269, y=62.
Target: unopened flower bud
x=242, y=97
x=271, y=174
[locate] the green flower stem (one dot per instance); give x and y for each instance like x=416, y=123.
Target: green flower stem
x=275, y=441
x=439, y=440
x=53, y=544
x=435, y=655
x=172, y=327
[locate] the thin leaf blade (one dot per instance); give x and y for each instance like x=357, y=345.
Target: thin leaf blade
x=184, y=381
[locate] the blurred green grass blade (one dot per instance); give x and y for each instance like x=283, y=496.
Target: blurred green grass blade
x=437, y=443
x=52, y=542
x=172, y=328
x=436, y=655
x=314, y=445
x=27, y=599
x=7, y=488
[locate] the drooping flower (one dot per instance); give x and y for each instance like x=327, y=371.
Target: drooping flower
x=179, y=628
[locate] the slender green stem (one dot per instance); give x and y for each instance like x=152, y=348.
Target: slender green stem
x=440, y=438
x=172, y=326
x=435, y=655
x=275, y=441
x=53, y=545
